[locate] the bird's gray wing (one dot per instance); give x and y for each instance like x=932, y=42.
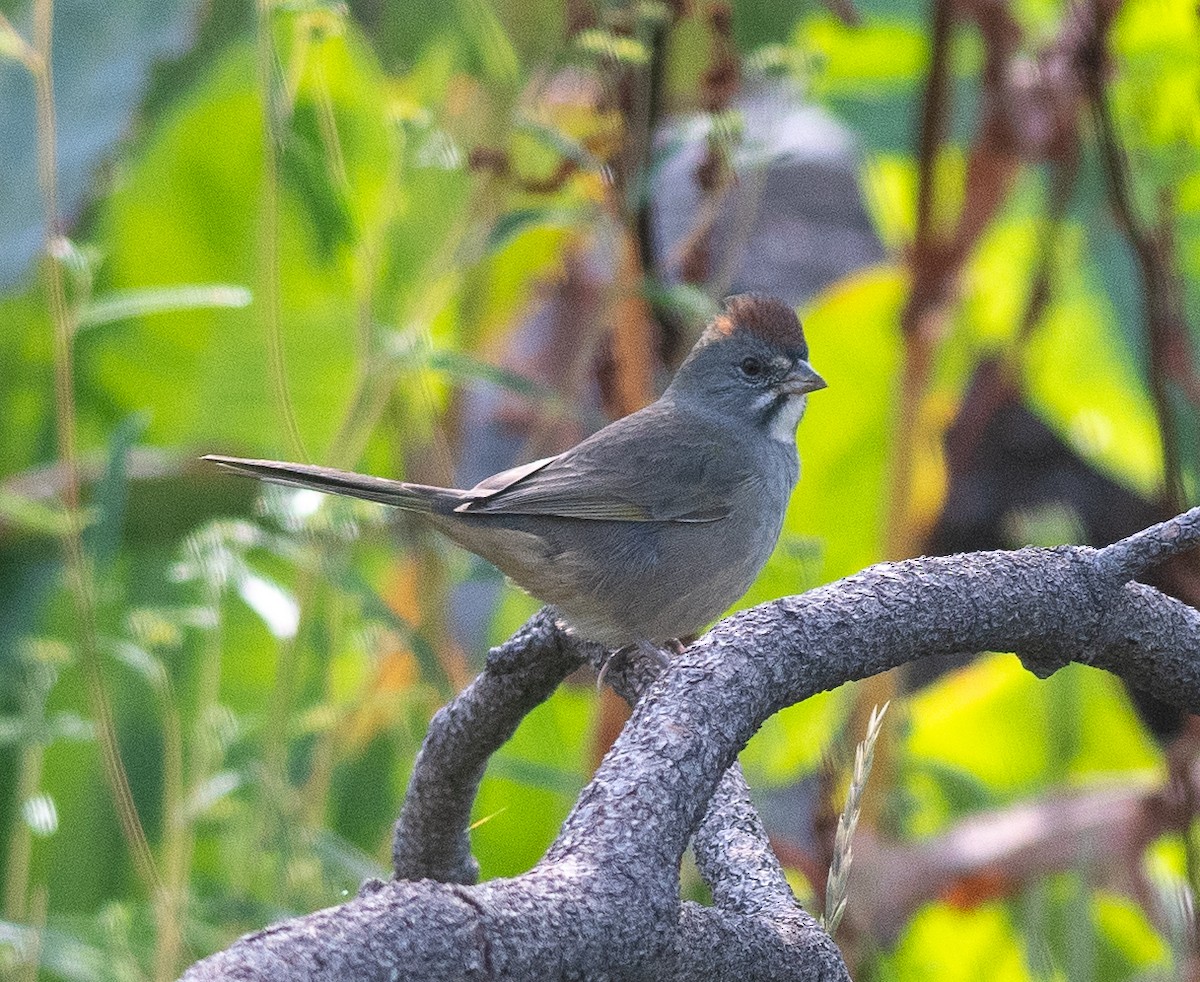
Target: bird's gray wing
x=643, y=468
x=491, y=486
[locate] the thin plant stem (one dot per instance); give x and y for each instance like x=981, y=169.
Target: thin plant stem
x=376, y=388
x=370, y=257
x=921, y=320
x=278, y=801
x=335, y=158
x=39, y=904
x=320, y=776
x=47, y=151
x=274, y=777
x=1165, y=326
x=170, y=910
x=1160, y=290
x=205, y=746
x=183, y=778
x=268, y=230
x=20, y=844
x=78, y=575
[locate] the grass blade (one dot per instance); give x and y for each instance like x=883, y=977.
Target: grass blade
x=119, y=305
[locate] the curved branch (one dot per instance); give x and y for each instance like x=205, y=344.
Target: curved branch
x=431, y=838
x=734, y=854
x=604, y=901
x=733, y=851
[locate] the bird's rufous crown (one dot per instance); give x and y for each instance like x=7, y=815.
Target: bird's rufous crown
x=770, y=319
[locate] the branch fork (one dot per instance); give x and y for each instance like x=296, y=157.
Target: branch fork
x=604, y=901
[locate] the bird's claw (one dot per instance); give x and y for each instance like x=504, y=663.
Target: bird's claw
x=660, y=656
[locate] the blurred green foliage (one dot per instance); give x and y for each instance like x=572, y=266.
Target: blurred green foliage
x=269, y=662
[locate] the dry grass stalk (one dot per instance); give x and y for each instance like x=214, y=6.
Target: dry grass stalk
x=838, y=882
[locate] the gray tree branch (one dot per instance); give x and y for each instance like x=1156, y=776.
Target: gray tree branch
x=431, y=838
x=733, y=852
x=604, y=902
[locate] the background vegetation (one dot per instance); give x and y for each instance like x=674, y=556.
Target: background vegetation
x=323, y=232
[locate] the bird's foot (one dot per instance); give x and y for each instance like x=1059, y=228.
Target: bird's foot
x=612, y=658
x=660, y=657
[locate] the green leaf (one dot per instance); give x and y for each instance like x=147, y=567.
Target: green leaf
x=853, y=335
x=14, y=731
x=618, y=47
x=58, y=951
x=352, y=581
x=935, y=794
x=185, y=213
x=34, y=516
x=560, y=142
x=212, y=791
x=950, y=945
x=275, y=606
x=459, y=365
x=684, y=299
x=99, y=86
x=1128, y=934
x=979, y=717
x=111, y=495
x=1093, y=396
x=12, y=45
x=533, y=781
x=565, y=782
x=141, y=661
x=512, y=223
x=65, y=725
x=491, y=42
x=999, y=723
x=346, y=857
x=792, y=742
x=877, y=55
x=17, y=730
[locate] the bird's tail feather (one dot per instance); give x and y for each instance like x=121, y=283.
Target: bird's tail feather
x=411, y=497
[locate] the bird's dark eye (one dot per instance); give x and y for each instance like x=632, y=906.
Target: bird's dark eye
x=751, y=367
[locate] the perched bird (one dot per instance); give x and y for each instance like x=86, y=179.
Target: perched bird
x=650, y=528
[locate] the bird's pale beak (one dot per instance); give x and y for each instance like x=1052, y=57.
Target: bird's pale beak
x=802, y=378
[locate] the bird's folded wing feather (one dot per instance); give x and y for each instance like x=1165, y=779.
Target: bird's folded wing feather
x=615, y=479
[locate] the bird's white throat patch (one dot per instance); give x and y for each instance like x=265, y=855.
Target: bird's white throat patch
x=784, y=423
x=783, y=419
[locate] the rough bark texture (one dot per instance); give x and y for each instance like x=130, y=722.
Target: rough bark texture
x=604, y=902
x=431, y=840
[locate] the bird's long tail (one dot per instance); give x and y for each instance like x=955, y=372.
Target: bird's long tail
x=411, y=497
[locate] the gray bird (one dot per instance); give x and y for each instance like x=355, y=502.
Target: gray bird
x=652, y=527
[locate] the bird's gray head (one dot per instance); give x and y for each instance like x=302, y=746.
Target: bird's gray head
x=751, y=364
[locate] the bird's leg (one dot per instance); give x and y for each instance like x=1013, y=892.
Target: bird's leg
x=657, y=653
x=649, y=648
